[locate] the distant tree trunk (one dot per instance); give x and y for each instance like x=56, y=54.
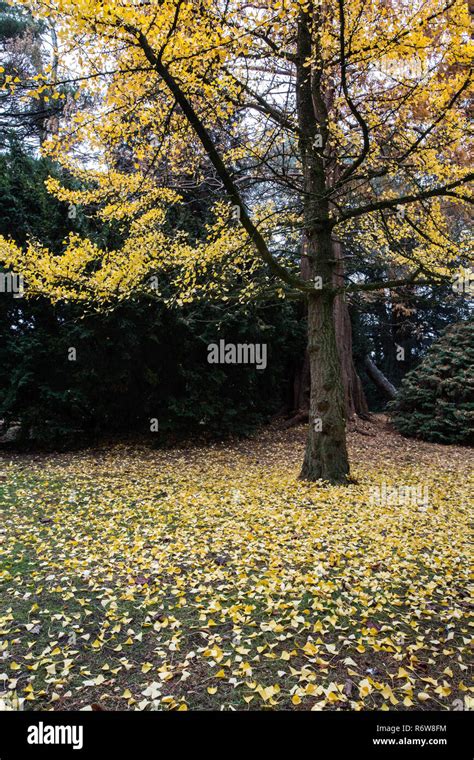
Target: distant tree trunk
x=302, y=377
x=301, y=386
x=355, y=401
x=379, y=378
x=354, y=396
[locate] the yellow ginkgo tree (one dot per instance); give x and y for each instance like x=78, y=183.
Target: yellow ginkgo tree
x=319, y=121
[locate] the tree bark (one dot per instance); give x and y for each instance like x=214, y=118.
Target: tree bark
x=355, y=401
x=301, y=387
x=326, y=453
x=354, y=396
x=302, y=375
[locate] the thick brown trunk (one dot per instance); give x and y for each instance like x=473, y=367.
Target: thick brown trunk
x=354, y=396
x=355, y=401
x=326, y=453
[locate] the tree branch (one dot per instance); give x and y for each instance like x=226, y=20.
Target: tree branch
x=253, y=232
x=403, y=200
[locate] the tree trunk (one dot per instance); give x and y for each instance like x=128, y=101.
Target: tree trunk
x=379, y=379
x=301, y=377
x=326, y=452
x=354, y=396
x=301, y=386
x=355, y=401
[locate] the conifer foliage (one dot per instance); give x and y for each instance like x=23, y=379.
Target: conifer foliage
x=436, y=400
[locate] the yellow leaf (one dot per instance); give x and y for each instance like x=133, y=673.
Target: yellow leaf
x=443, y=691
x=402, y=673
x=423, y=696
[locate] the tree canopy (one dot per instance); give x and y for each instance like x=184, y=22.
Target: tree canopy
x=181, y=91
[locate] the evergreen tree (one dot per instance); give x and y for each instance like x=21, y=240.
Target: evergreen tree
x=436, y=400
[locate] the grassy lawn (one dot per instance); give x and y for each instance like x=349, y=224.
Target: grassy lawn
x=209, y=578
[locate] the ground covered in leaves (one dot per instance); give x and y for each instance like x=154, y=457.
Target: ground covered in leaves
x=211, y=578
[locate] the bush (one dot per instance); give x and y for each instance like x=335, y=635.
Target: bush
x=436, y=400
x=140, y=362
